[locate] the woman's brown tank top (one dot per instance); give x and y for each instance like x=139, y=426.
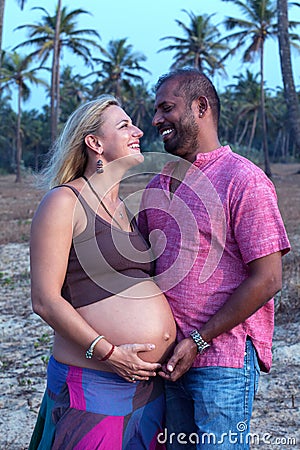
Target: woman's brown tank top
x=104, y=260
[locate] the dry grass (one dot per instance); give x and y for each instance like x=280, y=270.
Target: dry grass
x=287, y=182
x=18, y=201
x=26, y=339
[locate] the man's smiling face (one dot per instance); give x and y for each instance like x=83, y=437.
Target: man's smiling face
x=175, y=121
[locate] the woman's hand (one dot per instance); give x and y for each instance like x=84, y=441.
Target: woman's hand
x=125, y=362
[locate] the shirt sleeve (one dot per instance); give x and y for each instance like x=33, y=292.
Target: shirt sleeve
x=257, y=223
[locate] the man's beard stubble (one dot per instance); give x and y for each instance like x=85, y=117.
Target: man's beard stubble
x=185, y=141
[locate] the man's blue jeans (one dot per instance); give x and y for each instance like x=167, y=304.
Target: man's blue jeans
x=210, y=408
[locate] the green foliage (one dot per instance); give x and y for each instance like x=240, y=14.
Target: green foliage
x=7, y=281
x=45, y=359
x=253, y=154
x=239, y=103
x=42, y=340
x=7, y=136
x=118, y=69
x=72, y=92
x=201, y=47
x=36, y=138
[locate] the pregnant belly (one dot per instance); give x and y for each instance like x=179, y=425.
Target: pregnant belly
x=139, y=315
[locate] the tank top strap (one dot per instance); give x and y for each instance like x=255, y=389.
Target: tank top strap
x=90, y=213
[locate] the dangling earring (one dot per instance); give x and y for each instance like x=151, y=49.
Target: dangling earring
x=99, y=166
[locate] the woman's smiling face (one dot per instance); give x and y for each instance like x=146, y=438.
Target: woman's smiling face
x=119, y=137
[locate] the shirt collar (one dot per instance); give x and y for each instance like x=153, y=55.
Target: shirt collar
x=203, y=158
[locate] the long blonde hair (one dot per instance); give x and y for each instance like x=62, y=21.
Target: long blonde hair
x=68, y=157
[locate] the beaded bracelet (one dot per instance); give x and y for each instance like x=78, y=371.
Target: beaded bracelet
x=108, y=354
x=90, y=351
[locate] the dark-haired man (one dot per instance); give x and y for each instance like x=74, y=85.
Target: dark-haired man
x=218, y=238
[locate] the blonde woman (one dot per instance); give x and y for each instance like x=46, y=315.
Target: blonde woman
x=91, y=282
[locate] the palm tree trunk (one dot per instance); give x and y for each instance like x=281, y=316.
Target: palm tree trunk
x=2, y=7
x=36, y=158
x=236, y=132
x=19, y=142
x=55, y=75
x=252, y=130
x=263, y=114
x=276, y=146
x=197, y=62
x=22, y=3
x=118, y=88
x=287, y=72
x=57, y=110
x=245, y=129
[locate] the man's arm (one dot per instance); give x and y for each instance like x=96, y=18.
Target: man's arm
x=263, y=282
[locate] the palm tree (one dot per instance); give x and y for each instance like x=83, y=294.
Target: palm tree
x=280, y=129
x=55, y=70
x=286, y=69
x=2, y=8
x=228, y=114
x=260, y=24
x=21, y=3
x=200, y=47
x=140, y=105
x=8, y=121
x=36, y=138
x=16, y=71
x=119, y=67
x=50, y=36
x=247, y=93
x=72, y=92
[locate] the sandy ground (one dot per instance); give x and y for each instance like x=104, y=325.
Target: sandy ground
x=26, y=340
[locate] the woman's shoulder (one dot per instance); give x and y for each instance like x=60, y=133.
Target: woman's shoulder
x=62, y=194
x=58, y=201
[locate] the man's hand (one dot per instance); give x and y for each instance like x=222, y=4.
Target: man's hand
x=181, y=360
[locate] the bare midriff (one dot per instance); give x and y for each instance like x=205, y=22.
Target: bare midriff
x=139, y=315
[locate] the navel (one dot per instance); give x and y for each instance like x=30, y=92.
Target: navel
x=166, y=336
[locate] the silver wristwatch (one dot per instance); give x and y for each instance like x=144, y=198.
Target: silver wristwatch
x=202, y=345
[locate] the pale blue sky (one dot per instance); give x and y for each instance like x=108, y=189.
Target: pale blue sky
x=143, y=23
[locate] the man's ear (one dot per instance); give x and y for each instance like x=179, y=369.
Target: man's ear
x=94, y=143
x=202, y=105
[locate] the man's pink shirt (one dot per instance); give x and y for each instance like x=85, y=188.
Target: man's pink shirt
x=222, y=216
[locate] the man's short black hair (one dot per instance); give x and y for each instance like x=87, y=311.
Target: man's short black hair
x=193, y=84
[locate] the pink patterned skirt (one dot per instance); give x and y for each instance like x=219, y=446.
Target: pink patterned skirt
x=86, y=409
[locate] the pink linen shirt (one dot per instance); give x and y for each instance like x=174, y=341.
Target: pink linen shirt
x=222, y=216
